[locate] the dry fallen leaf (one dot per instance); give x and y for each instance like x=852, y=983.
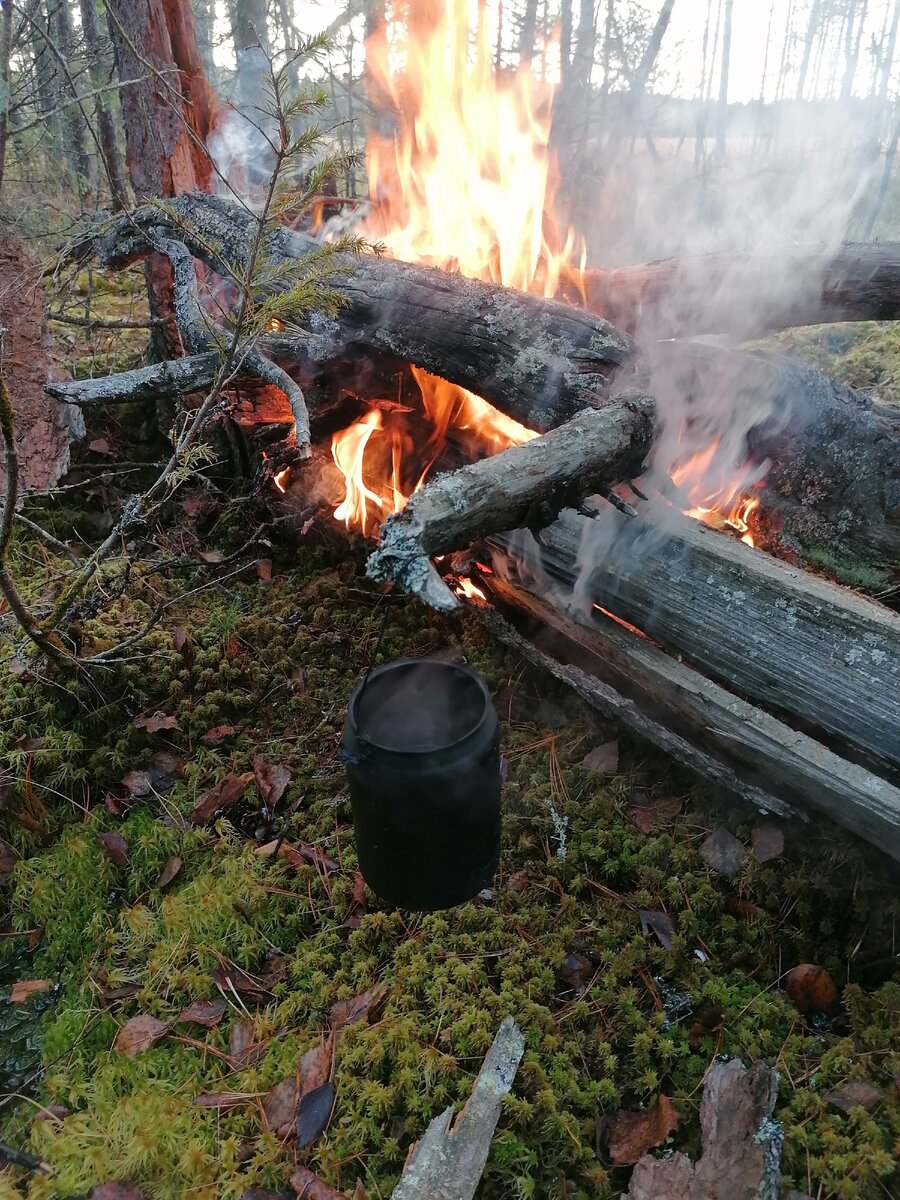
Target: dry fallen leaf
x=811, y=988
x=230, y=978
x=634, y=1133
x=26, y=988
x=171, y=868
x=224, y=794
x=358, y=894
x=313, y=1114
x=767, y=841
x=271, y=781
x=602, y=759
x=139, y=1034
x=723, y=852
x=116, y=1191
x=244, y=1049
x=359, y=1008
x=115, y=846
x=100, y=445
x=314, y=1068
x=856, y=1093
x=264, y=570
x=576, y=971
x=706, y=1026
x=519, y=881
x=218, y=734
x=300, y=854
x=207, y=1013
x=659, y=923
x=155, y=723
x=310, y=1187
x=211, y=557
x=650, y=814
x=52, y=1112
x=279, y=1106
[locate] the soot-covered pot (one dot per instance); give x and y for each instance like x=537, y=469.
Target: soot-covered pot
x=422, y=750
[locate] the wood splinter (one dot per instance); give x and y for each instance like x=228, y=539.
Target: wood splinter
x=447, y=1163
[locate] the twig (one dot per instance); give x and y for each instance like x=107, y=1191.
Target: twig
x=49, y=538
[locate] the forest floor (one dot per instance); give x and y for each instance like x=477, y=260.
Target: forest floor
x=122, y=901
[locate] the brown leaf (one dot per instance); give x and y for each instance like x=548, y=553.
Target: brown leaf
x=139, y=1034
x=723, y=852
x=708, y=1024
x=856, y=1093
x=634, y=1133
x=659, y=923
x=115, y=846
x=179, y=639
x=519, y=881
x=26, y=988
x=300, y=854
x=767, y=841
x=602, y=759
x=171, y=868
x=243, y=1048
x=811, y=988
x=256, y=1193
x=271, y=781
x=358, y=893
x=315, y=1066
x=231, y=978
x=576, y=971
x=124, y=991
x=156, y=722
x=8, y=860
x=348, y=1012
x=52, y=1112
x=161, y=776
x=211, y=557
x=224, y=794
x=207, y=1013
x=100, y=446
x=217, y=735
x=359, y=1192
x=264, y=570
x=648, y=814
x=279, y=1105
x=313, y=1114
x=116, y=1191
x=310, y=1187
x=223, y=1101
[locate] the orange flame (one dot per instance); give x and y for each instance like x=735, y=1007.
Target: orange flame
x=718, y=498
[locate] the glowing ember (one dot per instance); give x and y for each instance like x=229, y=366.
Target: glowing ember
x=282, y=478
x=470, y=591
x=275, y=325
x=716, y=498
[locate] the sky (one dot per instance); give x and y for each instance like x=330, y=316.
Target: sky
x=681, y=59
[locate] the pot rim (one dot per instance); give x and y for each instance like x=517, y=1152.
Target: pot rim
x=398, y=663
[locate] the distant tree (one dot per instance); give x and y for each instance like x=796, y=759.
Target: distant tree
x=249, y=34
x=887, y=58
x=812, y=32
x=205, y=19
x=855, y=21
x=107, y=140
x=565, y=42
x=6, y=41
x=528, y=30
x=723, y=79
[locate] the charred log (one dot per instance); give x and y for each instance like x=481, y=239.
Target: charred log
x=589, y=453
x=743, y=295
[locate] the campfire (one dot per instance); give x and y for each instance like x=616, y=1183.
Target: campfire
x=602, y=498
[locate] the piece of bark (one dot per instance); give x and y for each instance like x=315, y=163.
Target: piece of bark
x=448, y=1162
x=775, y=634
x=743, y=295
x=741, y=1143
x=592, y=451
x=43, y=431
x=727, y=740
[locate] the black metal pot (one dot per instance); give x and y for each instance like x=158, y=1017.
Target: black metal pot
x=422, y=751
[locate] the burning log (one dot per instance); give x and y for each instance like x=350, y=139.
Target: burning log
x=539, y=361
x=823, y=656
x=743, y=295
x=589, y=453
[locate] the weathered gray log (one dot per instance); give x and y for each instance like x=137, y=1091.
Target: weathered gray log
x=735, y=745
x=447, y=1164
x=780, y=637
x=537, y=360
x=742, y=295
x=589, y=453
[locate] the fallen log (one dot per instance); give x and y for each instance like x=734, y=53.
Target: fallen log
x=822, y=656
x=537, y=360
x=733, y=744
x=744, y=295
x=589, y=453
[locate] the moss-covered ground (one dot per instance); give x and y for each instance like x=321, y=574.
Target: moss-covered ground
x=276, y=660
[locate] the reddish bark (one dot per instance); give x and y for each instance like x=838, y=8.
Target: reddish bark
x=169, y=115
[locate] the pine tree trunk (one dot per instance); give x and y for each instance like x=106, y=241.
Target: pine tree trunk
x=528, y=31
x=106, y=130
x=73, y=120
x=250, y=34
x=6, y=37
x=723, y=80
x=812, y=30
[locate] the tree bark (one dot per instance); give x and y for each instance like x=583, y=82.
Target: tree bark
x=777, y=636
x=106, y=130
x=250, y=34
x=72, y=117
x=6, y=37
x=168, y=117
